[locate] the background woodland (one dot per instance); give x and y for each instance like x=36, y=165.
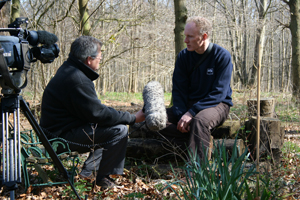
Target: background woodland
x=139, y=39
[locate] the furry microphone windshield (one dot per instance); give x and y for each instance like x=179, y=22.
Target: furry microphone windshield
x=154, y=106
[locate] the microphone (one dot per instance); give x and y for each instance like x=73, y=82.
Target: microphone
x=43, y=37
x=154, y=106
x=46, y=37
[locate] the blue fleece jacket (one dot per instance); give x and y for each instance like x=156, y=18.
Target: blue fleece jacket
x=208, y=84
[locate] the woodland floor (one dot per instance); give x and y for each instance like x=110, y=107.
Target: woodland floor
x=140, y=181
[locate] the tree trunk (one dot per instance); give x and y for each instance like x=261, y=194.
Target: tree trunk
x=180, y=19
x=282, y=62
x=15, y=10
x=271, y=68
x=245, y=53
x=84, y=17
x=5, y=15
x=290, y=72
x=259, y=44
x=294, y=27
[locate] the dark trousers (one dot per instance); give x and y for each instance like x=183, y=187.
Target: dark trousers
x=198, y=138
x=110, y=158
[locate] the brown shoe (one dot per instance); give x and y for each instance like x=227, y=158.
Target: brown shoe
x=105, y=183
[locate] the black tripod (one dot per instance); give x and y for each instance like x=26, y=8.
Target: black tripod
x=11, y=147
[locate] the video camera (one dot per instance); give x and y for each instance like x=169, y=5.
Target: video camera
x=16, y=54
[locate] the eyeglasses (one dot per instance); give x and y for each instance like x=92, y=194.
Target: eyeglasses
x=98, y=57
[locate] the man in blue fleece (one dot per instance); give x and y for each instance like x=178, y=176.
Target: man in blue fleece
x=201, y=92
x=72, y=110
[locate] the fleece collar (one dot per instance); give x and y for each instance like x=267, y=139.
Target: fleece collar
x=91, y=74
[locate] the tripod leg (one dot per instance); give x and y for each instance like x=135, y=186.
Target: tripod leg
x=10, y=148
x=45, y=142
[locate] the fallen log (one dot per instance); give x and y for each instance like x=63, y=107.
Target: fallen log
x=228, y=129
x=153, y=148
x=140, y=147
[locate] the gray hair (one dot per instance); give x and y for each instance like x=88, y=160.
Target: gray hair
x=85, y=46
x=202, y=24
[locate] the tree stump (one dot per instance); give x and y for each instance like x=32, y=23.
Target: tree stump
x=271, y=137
x=267, y=107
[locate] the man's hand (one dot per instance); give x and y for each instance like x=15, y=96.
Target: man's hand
x=184, y=123
x=139, y=116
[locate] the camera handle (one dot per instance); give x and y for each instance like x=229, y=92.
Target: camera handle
x=11, y=147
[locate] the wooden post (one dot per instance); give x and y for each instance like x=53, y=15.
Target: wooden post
x=258, y=119
x=210, y=148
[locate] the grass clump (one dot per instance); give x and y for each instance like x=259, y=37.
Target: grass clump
x=228, y=177
x=224, y=177
x=219, y=178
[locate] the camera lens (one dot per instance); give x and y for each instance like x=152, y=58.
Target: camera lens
x=46, y=53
